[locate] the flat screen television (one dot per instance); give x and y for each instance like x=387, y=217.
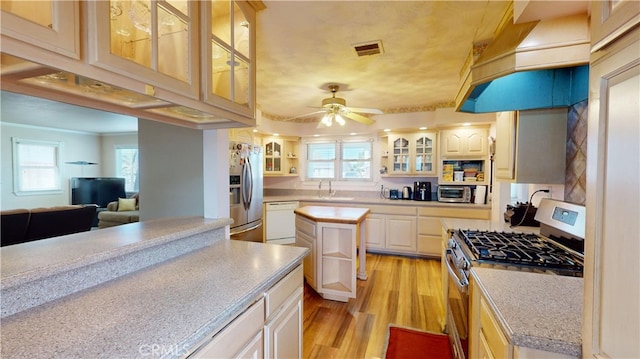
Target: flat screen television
x=96, y=190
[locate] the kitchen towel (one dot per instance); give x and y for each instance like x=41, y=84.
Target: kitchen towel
x=481, y=193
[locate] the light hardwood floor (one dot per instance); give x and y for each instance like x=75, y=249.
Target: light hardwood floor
x=401, y=290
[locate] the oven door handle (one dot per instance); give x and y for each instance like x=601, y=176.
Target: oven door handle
x=461, y=283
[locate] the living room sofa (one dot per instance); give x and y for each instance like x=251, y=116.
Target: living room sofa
x=25, y=225
x=116, y=215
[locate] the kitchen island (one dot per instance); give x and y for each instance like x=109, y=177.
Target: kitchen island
x=331, y=234
x=159, y=288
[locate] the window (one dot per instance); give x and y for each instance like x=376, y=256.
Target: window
x=354, y=162
x=127, y=167
x=321, y=158
x=36, y=167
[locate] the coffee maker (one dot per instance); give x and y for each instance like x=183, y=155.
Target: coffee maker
x=422, y=191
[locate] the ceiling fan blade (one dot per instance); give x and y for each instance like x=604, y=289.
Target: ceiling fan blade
x=373, y=111
x=304, y=115
x=359, y=118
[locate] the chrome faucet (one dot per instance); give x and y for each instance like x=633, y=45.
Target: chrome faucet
x=320, y=188
x=331, y=193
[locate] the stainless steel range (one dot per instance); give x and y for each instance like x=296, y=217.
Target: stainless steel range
x=557, y=249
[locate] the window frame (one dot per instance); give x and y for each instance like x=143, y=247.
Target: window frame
x=118, y=163
x=17, y=167
x=339, y=160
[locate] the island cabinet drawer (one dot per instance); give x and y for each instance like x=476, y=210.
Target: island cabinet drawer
x=496, y=342
x=237, y=337
x=457, y=212
x=305, y=226
x=279, y=293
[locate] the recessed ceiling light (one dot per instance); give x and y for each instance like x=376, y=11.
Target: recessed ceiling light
x=422, y=128
x=466, y=124
x=353, y=134
x=276, y=134
x=387, y=130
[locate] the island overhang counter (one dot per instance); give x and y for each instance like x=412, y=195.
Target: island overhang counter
x=332, y=234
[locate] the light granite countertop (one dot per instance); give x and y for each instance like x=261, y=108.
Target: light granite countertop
x=161, y=310
x=539, y=311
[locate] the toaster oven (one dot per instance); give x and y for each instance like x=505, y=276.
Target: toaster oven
x=461, y=194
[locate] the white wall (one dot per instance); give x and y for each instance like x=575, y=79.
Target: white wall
x=76, y=146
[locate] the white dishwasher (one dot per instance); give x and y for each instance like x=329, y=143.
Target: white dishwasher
x=281, y=222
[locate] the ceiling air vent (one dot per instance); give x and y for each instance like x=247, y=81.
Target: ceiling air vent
x=368, y=48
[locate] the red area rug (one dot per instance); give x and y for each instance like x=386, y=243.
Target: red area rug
x=411, y=343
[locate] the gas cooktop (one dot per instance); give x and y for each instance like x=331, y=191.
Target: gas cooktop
x=519, y=248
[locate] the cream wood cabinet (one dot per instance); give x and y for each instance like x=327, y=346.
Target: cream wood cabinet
x=281, y=156
x=531, y=146
x=401, y=233
x=611, y=19
x=331, y=270
x=486, y=337
x=410, y=154
x=305, y=237
x=242, y=338
x=270, y=328
x=228, y=40
x=611, y=305
x=51, y=25
x=283, y=311
x=376, y=233
x=464, y=142
x=158, y=60
x=123, y=38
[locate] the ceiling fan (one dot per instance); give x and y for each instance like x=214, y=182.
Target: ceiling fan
x=335, y=110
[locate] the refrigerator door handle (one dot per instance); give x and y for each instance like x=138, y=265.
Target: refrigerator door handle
x=247, y=184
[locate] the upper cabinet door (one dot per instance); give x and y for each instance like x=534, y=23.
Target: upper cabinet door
x=228, y=56
x=464, y=142
x=425, y=154
x=400, y=154
x=154, y=41
x=52, y=25
x=610, y=19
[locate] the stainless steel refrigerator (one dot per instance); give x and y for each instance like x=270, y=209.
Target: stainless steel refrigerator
x=245, y=191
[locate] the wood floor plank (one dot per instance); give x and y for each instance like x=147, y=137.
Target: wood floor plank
x=399, y=290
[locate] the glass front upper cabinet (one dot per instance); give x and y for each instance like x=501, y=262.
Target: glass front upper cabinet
x=154, y=41
x=230, y=48
x=52, y=25
x=425, y=154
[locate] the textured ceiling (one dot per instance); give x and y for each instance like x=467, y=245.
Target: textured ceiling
x=302, y=46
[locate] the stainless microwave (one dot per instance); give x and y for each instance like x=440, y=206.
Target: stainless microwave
x=454, y=194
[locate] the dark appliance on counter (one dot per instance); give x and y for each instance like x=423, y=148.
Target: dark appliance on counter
x=522, y=214
x=406, y=193
x=557, y=250
x=394, y=194
x=421, y=191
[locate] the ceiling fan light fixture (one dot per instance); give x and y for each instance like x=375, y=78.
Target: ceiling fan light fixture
x=339, y=120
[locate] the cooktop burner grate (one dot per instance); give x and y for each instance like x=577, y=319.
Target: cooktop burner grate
x=518, y=248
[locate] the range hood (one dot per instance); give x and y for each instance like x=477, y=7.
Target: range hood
x=532, y=65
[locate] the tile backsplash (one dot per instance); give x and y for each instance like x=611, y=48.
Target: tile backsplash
x=575, y=177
